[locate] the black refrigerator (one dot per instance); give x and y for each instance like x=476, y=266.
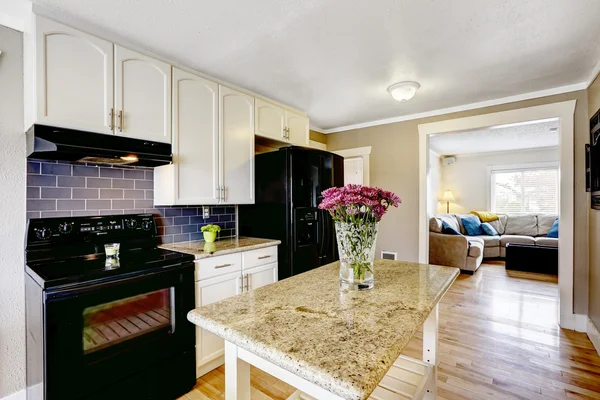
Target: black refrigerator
x=289, y=183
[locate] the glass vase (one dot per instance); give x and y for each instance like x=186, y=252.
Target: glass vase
x=356, y=245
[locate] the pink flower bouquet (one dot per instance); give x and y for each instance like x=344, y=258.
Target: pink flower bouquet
x=357, y=211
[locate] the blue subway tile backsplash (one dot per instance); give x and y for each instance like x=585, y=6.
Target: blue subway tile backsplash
x=61, y=189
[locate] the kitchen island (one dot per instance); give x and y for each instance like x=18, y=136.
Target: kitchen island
x=334, y=344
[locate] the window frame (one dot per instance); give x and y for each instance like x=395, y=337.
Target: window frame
x=519, y=168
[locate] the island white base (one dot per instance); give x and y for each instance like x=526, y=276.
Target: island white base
x=407, y=378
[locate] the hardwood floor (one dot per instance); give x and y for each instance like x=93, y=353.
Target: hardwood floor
x=499, y=339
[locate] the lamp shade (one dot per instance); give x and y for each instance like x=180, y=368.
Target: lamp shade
x=448, y=196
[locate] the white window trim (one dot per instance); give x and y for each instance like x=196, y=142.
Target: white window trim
x=515, y=168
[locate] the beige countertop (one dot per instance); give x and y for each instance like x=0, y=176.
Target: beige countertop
x=342, y=341
x=201, y=249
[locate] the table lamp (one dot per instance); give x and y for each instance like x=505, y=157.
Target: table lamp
x=448, y=197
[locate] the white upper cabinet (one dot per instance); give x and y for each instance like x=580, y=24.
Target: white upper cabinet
x=297, y=128
x=270, y=120
x=274, y=122
x=86, y=83
x=195, y=139
x=74, y=78
x=236, y=124
x=142, y=96
x=213, y=145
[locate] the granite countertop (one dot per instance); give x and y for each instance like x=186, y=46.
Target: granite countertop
x=201, y=249
x=342, y=341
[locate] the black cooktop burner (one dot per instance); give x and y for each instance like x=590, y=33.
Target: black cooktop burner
x=93, y=268
x=66, y=252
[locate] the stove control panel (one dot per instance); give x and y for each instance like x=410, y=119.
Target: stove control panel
x=102, y=226
x=85, y=229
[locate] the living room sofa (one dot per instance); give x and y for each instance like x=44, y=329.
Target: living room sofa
x=467, y=252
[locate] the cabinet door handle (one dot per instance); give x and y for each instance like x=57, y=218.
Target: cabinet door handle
x=218, y=193
x=120, y=121
x=223, y=266
x=247, y=284
x=241, y=279
x=111, y=124
x=263, y=257
x=287, y=133
x=223, y=193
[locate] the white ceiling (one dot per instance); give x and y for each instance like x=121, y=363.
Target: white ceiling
x=507, y=138
x=335, y=58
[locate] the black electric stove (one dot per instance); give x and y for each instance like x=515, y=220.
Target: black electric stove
x=101, y=327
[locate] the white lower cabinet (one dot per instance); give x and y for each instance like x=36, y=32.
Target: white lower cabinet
x=218, y=278
x=260, y=276
x=209, y=347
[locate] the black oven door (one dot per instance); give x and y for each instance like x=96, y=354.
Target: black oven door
x=131, y=330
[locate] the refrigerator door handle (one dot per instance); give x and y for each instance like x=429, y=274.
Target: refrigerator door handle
x=321, y=233
x=327, y=234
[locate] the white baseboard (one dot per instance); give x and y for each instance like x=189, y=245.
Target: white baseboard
x=594, y=335
x=20, y=395
x=581, y=322
x=576, y=322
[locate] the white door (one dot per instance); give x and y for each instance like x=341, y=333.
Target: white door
x=195, y=138
x=74, y=71
x=209, y=347
x=353, y=171
x=270, y=120
x=143, y=96
x=297, y=126
x=236, y=117
x=260, y=276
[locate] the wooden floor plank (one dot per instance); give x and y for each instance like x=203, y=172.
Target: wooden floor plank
x=498, y=339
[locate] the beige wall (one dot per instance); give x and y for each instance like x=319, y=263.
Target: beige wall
x=12, y=206
x=395, y=166
x=317, y=136
x=468, y=177
x=594, y=290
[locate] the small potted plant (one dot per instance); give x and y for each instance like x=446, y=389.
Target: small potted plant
x=210, y=232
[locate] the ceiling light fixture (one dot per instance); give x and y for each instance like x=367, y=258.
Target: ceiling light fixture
x=403, y=91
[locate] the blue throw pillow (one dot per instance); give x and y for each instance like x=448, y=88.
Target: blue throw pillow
x=553, y=232
x=489, y=229
x=448, y=230
x=472, y=226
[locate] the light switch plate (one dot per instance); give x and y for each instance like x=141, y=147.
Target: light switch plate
x=205, y=212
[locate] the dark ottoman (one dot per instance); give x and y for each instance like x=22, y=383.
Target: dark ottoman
x=531, y=258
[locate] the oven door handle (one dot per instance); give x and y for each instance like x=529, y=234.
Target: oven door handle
x=79, y=289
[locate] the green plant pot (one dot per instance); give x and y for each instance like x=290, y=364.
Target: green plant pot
x=209, y=237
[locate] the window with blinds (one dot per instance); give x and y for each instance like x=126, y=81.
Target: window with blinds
x=531, y=190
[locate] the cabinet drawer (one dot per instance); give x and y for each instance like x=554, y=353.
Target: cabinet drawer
x=215, y=266
x=254, y=258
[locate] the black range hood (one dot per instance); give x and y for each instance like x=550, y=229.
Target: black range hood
x=54, y=143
